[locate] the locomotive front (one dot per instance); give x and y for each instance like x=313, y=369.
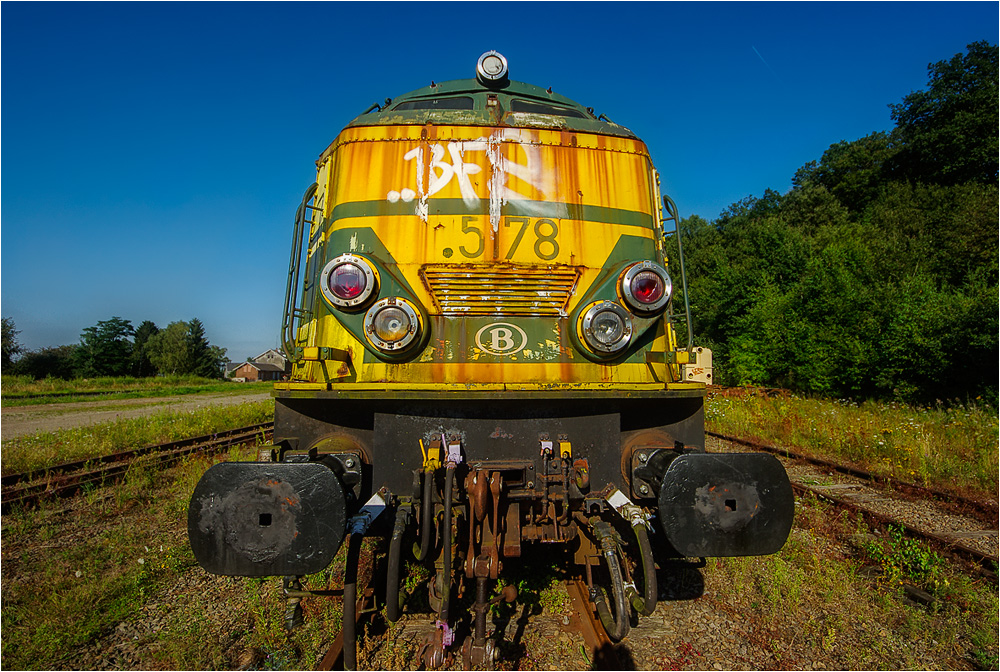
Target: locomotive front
x=480, y=319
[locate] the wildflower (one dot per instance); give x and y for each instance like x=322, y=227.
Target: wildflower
x=142, y=561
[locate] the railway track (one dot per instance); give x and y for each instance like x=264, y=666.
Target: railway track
x=26, y=489
x=963, y=527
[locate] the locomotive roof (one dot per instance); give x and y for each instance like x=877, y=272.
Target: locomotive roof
x=468, y=102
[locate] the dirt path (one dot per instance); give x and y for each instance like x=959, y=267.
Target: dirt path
x=21, y=420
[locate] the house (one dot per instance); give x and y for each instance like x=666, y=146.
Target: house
x=275, y=357
x=269, y=365
x=255, y=371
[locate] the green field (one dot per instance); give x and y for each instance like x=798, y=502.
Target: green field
x=24, y=390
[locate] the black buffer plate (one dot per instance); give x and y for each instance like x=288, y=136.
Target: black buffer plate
x=266, y=519
x=724, y=505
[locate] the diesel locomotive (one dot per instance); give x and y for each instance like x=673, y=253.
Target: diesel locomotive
x=487, y=356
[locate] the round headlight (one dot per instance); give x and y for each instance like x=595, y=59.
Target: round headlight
x=347, y=281
x=646, y=287
x=392, y=324
x=606, y=327
x=491, y=68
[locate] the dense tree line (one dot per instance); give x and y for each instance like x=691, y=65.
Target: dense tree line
x=876, y=274
x=114, y=348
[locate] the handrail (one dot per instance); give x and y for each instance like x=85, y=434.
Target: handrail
x=291, y=311
x=671, y=209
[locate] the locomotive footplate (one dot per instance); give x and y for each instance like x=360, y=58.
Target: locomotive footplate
x=267, y=519
x=724, y=505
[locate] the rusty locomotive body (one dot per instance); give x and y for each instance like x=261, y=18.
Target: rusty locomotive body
x=485, y=348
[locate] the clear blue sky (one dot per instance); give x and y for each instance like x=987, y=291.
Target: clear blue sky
x=153, y=154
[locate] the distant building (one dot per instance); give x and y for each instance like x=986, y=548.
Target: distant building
x=275, y=357
x=269, y=365
x=254, y=371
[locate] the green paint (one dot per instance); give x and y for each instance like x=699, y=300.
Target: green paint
x=498, y=338
x=513, y=208
x=627, y=251
x=363, y=242
x=484, y=114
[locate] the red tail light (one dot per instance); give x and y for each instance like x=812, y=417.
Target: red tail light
x=646, y=287
x=348, y=281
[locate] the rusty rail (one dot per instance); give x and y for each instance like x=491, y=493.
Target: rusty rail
x=63, y=480
x=603, y=652
x=985, y=511
x=877, y=519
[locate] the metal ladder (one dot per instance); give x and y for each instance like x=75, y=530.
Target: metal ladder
x=295, y=313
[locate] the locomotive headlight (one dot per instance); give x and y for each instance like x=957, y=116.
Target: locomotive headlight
x=392, y=324
x=606, y=327
x=646, y=287
x=491, y=68
x=348, y=281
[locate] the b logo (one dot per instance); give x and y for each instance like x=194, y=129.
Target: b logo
x=501, y=338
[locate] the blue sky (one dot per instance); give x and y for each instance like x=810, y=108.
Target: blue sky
x=153, y=154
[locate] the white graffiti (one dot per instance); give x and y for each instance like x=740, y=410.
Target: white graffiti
x=437, y=172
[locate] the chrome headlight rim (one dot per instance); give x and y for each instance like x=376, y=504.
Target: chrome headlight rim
x=371, y=281
x=491, y=68
x=411, y=335
x=628, y=296
x=587, y=327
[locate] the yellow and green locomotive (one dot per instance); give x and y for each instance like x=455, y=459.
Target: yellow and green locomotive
x=480, y=319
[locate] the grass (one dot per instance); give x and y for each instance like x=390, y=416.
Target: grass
x=820, y=604
x=26, y=391
x=949, y=447
x=115, y=576
x=37, y=451
x=63, y=588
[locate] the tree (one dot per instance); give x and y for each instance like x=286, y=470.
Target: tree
x=182, y=349
x=851, y=171
x=105, y=348
x=205, y=360
x=58, y=362
x=141, y=366
x=949, y=131
x=11, y=347
x=167, y=349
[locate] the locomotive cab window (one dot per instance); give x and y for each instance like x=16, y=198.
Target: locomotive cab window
x=453, y=103
x=538, y=107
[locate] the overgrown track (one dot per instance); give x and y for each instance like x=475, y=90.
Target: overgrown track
x=63, y=480
x=985, y=513
x=584, y=620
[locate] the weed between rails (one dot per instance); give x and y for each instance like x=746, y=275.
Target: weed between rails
x=945, y=447
x=820, y=604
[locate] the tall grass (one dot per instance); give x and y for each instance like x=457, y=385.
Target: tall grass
x=46, y=449
x=63, y=590
x=951, y=447
x=25, y=390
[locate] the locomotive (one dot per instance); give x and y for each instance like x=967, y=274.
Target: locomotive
x=485, y=355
